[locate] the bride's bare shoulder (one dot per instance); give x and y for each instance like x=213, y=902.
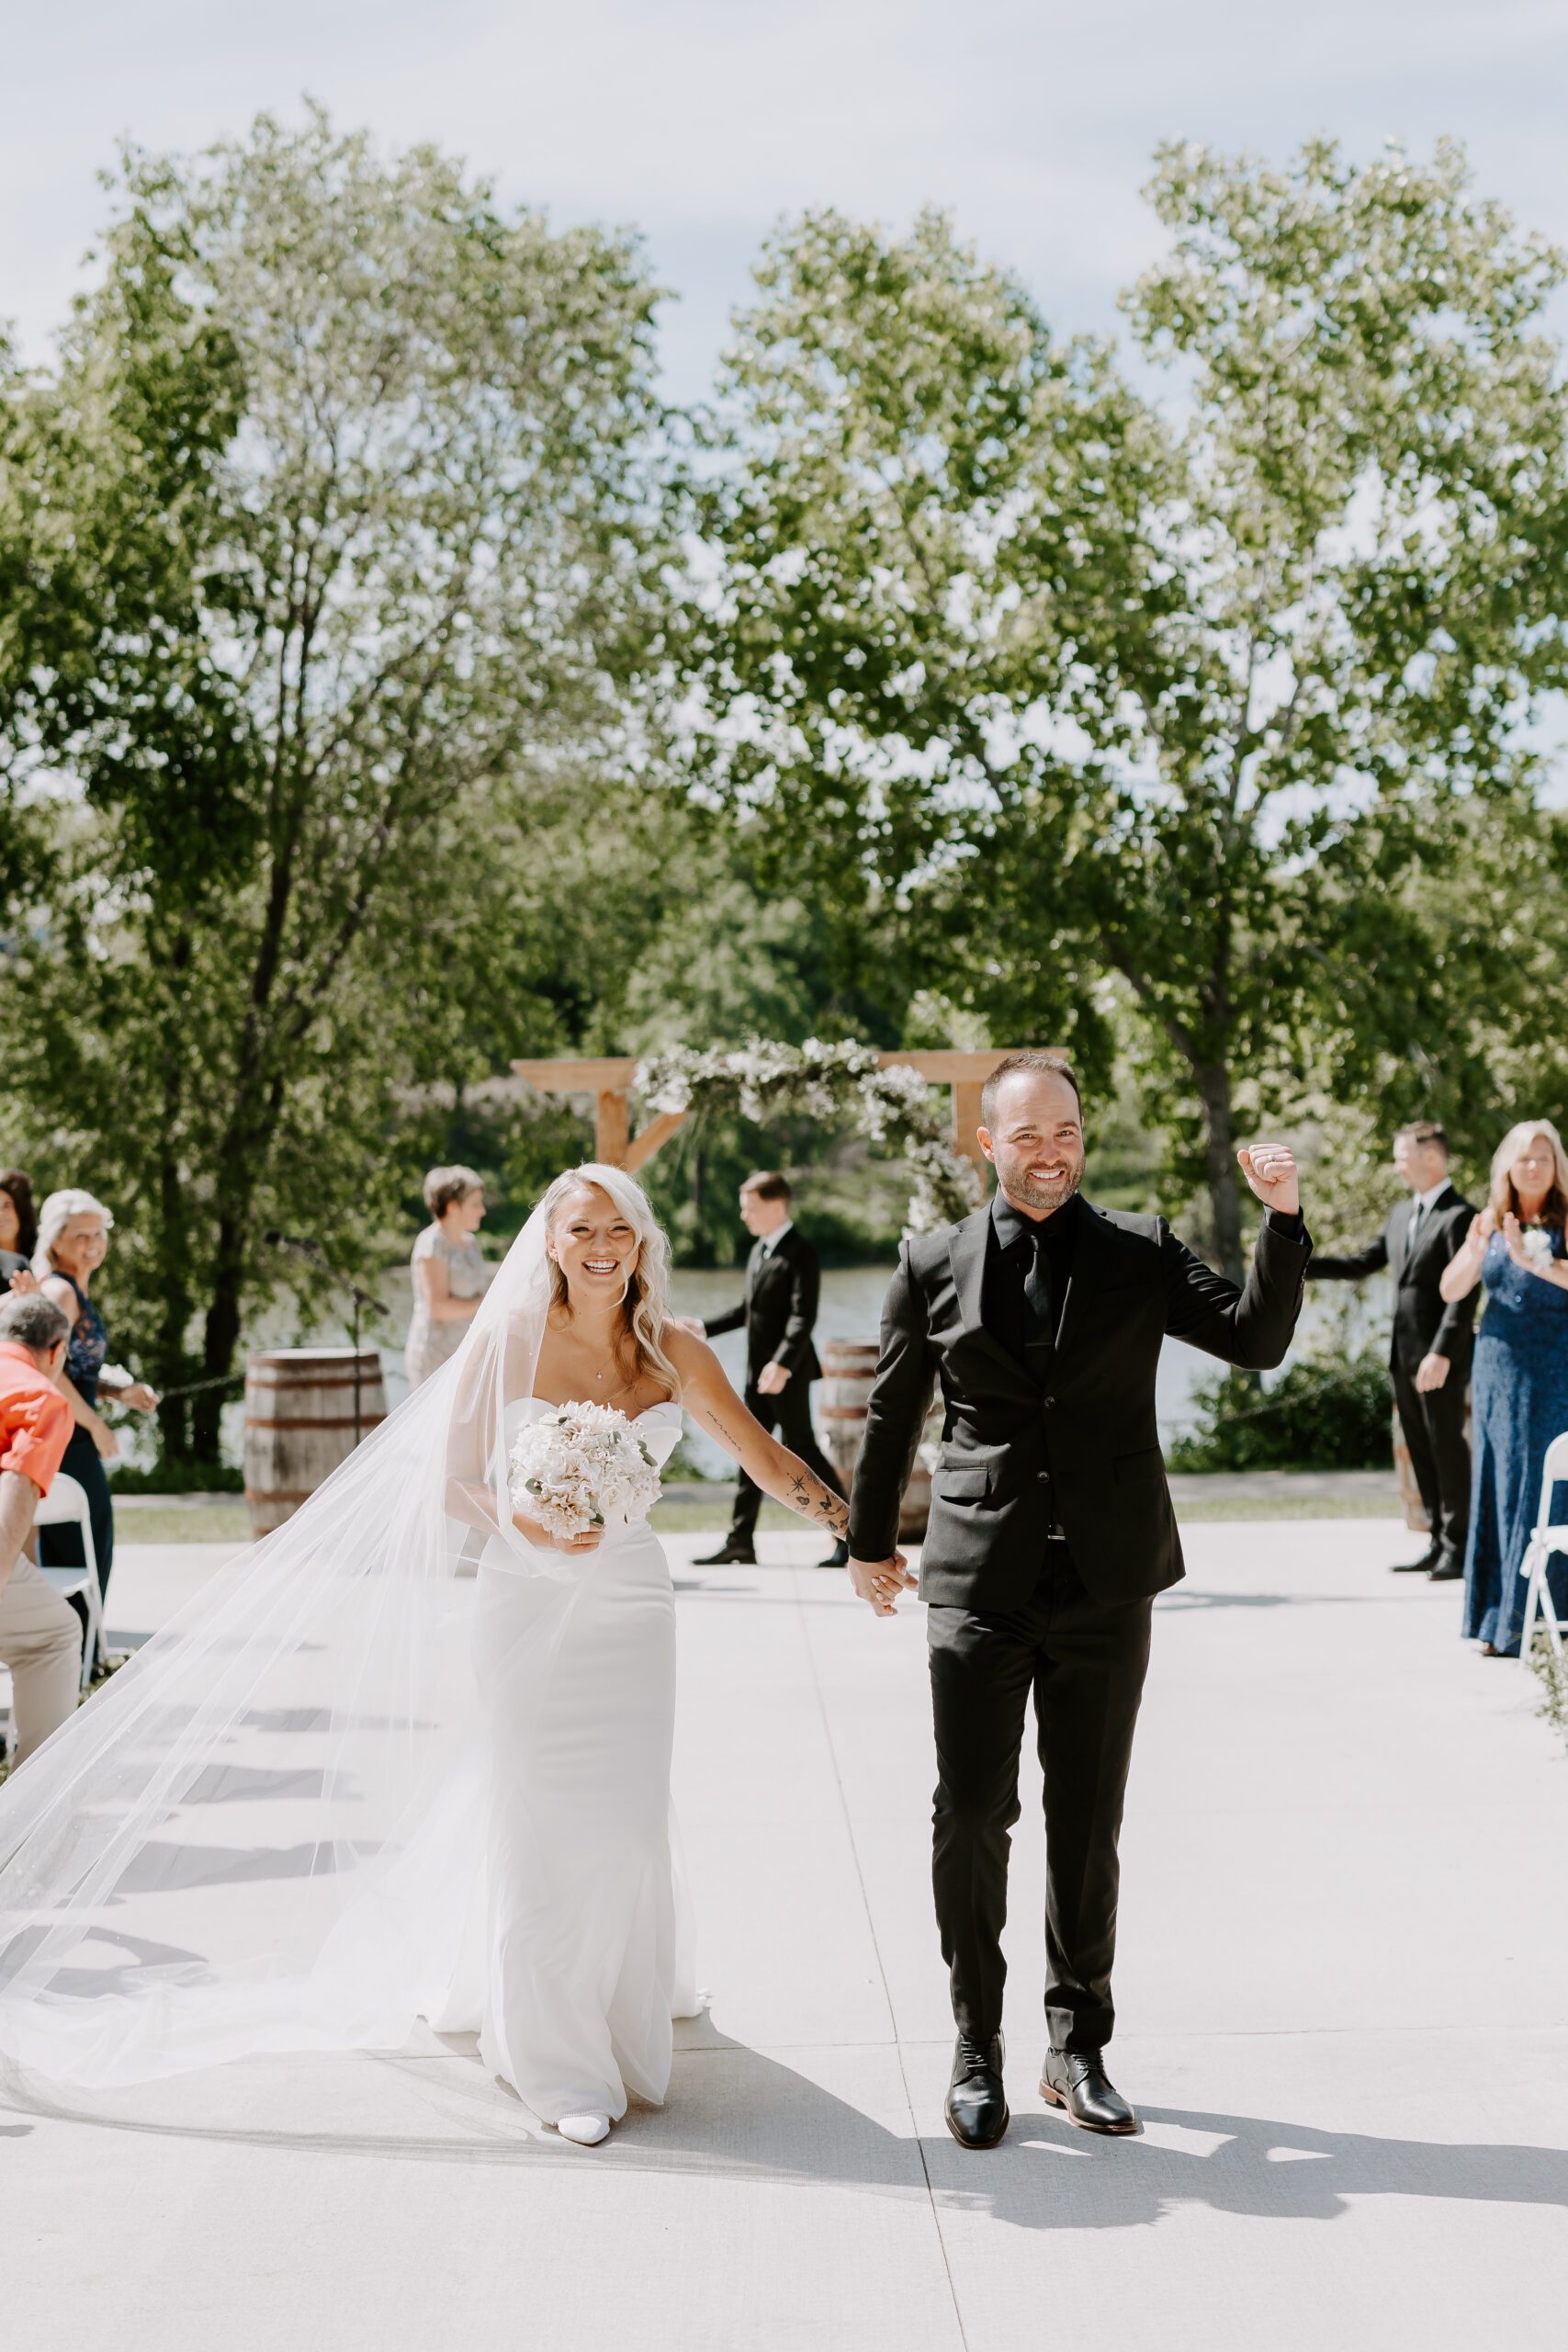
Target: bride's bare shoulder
x=692, y=1357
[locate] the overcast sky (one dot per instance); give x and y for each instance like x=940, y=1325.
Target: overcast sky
x=701, y=121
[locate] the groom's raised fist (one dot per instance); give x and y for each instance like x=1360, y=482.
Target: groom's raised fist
x=1270, y=1170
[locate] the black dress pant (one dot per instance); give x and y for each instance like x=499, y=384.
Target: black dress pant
x=1085, y=1662
x=1439, y=1456
x=789, y=1414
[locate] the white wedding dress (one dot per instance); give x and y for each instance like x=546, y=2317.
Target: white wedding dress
x=393, y=1769
x=587, y=1943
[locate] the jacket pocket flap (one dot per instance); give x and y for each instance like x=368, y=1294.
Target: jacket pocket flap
x=970, y=1484
x=1136, y=1465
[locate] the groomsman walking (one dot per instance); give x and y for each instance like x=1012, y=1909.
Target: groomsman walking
x=778, y=1313
x=1430, y=1346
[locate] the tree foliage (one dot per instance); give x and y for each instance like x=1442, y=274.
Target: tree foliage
x=1176, y=700
x=341, y=530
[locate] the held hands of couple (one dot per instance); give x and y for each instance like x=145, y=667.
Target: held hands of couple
x=881, y=1582
x=1270, y=1172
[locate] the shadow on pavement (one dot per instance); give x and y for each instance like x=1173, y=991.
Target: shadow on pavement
x=735, y=2114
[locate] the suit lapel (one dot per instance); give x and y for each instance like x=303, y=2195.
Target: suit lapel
x=966, y=1260
x=1399, y=1238
x=967, y=1256
x=1094, y=1253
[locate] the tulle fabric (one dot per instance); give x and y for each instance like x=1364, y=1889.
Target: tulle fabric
x=267, y=1832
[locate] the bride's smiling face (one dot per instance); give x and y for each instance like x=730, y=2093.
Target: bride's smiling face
x=594, y=1246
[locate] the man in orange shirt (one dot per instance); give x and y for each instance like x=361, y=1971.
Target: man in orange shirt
x=40, y=1639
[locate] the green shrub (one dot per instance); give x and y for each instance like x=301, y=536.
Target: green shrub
x=173, y=1476
x=1328, y=1412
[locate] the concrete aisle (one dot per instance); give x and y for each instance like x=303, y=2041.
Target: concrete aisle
x=1344, y=2014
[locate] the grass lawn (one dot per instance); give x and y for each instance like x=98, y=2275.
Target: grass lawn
x=222, y=1518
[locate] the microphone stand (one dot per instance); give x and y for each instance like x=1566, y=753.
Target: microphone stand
x=360, y=1301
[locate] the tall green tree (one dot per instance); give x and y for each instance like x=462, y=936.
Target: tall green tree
x=1179, y=698
x=340, y=530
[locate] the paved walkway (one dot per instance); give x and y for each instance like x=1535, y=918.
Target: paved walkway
x=1343, y=1987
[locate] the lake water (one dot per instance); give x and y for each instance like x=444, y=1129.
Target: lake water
x=851, y=1310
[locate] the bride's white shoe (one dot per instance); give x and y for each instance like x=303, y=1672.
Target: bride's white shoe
x=586, y=2130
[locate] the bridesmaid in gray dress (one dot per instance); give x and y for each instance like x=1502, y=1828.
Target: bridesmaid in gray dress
x=450, y=1272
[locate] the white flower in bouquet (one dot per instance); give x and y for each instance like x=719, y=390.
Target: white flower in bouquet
x=1536, y=1245
x=579, y=1466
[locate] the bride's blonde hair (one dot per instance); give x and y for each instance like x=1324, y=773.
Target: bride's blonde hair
x=646, y=1305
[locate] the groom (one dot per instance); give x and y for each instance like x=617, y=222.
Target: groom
x=1050, y=1532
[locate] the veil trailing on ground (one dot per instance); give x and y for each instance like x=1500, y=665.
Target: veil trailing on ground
x=264, y=1833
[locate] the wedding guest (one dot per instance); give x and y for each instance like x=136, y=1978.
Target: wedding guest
x=73, y=1242
x=1519, y=1385
x=40, y=1640
x=18, y=1226
x=778, y=1314
x=1429, y=1346
x=451, y=1271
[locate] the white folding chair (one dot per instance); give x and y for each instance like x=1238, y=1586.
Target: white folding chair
x=65, y=1504
x=1547, y=1536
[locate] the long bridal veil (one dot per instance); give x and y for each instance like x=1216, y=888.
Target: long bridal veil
x=264, y=1833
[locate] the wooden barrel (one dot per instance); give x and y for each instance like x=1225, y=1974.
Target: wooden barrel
x=299, y=1423
x=848, y=1367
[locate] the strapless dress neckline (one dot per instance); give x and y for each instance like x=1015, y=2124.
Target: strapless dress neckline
x=554, y=1404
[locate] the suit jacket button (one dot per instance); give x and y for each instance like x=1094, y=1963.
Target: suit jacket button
x=1049, y=1402
x=1045, y=1477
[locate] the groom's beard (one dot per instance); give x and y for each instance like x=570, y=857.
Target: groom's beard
x=1039, y=1192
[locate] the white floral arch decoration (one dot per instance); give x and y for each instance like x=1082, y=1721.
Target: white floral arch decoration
x=891, y=1105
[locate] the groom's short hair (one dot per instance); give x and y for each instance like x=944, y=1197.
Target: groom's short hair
x=1032, y=1063
x=769, y=1184
x=1424, y=1131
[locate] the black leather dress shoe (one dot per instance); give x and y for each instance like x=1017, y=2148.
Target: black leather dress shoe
x=728, y=1556
x=839, y=1557
x=1421, y=1567
x=1446, y=1572
x=1077, y=2080
x=976, y=2105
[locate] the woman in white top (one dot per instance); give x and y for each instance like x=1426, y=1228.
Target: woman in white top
x=450, y=1274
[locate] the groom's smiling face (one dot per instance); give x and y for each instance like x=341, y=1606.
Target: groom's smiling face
x=1036, y=1144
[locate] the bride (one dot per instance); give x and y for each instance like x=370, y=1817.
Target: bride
x=409, y=1759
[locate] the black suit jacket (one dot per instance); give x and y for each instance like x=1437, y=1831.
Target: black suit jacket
x=779, y=1310
x=1086, y=1445
x=1424, y=1322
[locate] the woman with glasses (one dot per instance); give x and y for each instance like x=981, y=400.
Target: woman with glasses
x=1520, y=1393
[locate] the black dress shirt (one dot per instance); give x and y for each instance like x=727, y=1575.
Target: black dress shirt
x=1010, y=1253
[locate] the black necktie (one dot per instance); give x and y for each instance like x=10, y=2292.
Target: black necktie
x=1041, y=1345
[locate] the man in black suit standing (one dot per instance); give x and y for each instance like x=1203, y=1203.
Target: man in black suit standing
x=1432, y=1340
x=783, y=1282
x=1050, y=1532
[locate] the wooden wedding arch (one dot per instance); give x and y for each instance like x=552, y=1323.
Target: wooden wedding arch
x=609, y=1081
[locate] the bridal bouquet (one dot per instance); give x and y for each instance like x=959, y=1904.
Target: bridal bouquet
x=579, y=1465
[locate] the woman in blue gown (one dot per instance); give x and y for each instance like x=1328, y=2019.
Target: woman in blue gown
x=1519, y=1392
